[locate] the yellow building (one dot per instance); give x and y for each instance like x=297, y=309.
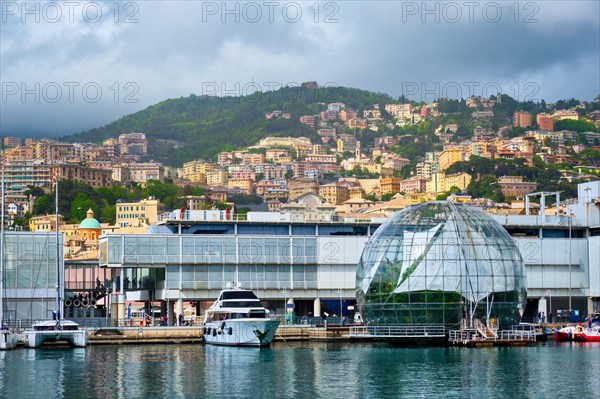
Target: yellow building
x=449, y=156
x=389, y=185
x=245, y=184
x=334, y=193
x=441, y=182
x=45, y=223
x=144, y=212
x=300, y=187
x=217, y=177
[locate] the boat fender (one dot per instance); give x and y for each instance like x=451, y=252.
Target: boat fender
x=85, y=302
x=223, y=326
x=219, y=331
x=204, y=330
x=214, y=332
x=208, y=331
x=230, y=331
x=93, y=302
x=68, y=302
x=77, y=303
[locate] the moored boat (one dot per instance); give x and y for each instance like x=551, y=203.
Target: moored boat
x=591, y=334
x=237, y=318
x=55, y=331
x=569, y=333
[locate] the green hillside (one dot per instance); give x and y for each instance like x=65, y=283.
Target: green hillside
x=179, y=130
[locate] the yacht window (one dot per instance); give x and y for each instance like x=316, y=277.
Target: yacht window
x=239, y=295
x=257, y=314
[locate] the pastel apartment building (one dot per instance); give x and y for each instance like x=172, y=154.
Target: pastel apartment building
x=522, y=119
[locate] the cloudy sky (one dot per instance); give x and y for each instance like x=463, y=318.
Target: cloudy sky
x=69, y=67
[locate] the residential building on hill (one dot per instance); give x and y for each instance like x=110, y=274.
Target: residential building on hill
x=545, y=121
x=93, y=177
x=144, y=212
x=522, y=119
x=514, y=186
x=334, y=193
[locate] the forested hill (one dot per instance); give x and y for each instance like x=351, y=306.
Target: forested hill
x=179, y=130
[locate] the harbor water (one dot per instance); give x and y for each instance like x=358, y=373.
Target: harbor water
x=302, y=370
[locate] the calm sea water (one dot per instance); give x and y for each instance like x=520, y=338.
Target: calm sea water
x=302, y=370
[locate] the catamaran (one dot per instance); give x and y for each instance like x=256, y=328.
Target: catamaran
x=237, y=318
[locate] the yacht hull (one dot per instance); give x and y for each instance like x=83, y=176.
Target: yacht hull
x=240, y=332
x=35, y=339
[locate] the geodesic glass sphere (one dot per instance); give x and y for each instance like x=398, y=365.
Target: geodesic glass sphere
x=437, y=263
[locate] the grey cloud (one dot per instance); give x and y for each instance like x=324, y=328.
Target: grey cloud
x=171, y=52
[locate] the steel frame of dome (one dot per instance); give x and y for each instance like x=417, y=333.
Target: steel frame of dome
x=441, y=263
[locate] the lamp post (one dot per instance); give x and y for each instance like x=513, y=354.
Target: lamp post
x=284, y=305
x=549, y=293
x=341, y=306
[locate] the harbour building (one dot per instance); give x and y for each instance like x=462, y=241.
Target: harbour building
x=309, y=264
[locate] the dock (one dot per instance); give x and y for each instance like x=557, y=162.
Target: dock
x=141, y=335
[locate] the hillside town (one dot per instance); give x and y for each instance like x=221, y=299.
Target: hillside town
x=346, y=175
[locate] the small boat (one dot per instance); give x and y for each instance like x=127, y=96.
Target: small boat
x=591, y=334
x=55, y=331
x=237, y=318
x=569, y=333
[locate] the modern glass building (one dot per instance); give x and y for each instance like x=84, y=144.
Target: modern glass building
x=30, y=275
x=438, y=263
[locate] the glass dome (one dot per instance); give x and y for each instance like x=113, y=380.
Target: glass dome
x=438, y=263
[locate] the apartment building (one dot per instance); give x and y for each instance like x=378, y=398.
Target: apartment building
x=545, y=121
x=449, y=156
x=133, y=143
x=514, y=186
x=299, y=187
x=522, y=119
x=138, y=172
x=144, y=212
x=334, y=193
x=216, y=177
x=91, y=176
x=245, y=184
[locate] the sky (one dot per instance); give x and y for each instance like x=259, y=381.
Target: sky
x=72, y=66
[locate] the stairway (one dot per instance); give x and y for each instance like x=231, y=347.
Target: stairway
x=484, y=330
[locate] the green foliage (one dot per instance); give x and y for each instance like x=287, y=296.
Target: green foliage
x=486, y=187
x=579, y=125
x=183, y=129
x=80, y=206
x=444, y=196
x=387, y=197
x=167, y=193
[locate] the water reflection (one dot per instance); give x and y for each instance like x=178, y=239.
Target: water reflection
x=301, y=370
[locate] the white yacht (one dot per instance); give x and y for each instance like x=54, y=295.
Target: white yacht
x=237, y=318
x=55, y=331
